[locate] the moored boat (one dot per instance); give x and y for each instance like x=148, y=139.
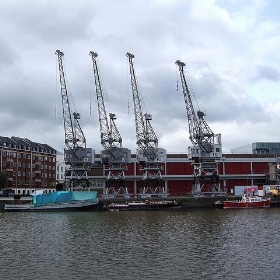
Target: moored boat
x=248, y=201
x=57, y=201
x=142, y=205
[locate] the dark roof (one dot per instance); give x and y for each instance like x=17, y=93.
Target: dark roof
x=7, y=142
x=26, y=144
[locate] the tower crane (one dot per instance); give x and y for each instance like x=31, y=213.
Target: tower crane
x=76, y=155
x=150, y=158
x=114, y=157
x=206, y=152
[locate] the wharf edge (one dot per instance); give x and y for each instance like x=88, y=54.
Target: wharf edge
x=184, y=202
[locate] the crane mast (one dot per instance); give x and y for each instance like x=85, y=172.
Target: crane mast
x=76, y=155
x=151, y=158
x=206, y=151
x=114, y=157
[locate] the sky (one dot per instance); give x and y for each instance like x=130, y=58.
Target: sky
x=231, y=49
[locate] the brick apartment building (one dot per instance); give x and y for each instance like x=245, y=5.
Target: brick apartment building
x=28, y=165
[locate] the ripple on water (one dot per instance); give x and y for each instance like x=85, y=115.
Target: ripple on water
x=185, y=244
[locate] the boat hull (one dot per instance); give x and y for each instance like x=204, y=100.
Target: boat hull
x=246, y=205
x=72, y=206
x=133, y=206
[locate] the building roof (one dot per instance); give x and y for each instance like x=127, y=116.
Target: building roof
x=25, y=144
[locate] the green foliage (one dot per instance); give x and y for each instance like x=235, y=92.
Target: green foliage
x=3, y=180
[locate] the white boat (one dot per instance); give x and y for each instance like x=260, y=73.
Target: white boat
x=57, y=201
x=142, y=205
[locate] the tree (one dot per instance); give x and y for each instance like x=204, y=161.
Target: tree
x=3, y=180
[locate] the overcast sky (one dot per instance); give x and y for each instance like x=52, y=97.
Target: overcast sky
x=231, y=49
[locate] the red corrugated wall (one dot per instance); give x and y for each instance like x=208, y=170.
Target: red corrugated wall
x=179, y=168
x=179, y=187
x=237, y=167
x=259, y=167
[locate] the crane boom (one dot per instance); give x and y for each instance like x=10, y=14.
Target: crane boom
x=106, y=135
x=144, y=138
x=76, y=154
x=74, y=136
x=145, y=135
x=207, y=150
x=200, y=132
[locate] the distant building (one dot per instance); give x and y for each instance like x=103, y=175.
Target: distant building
x=259, y=148
x=28, y=165
x=60, y=168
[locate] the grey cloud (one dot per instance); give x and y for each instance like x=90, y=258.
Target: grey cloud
x=267, y=72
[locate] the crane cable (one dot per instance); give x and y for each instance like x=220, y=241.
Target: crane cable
x=90, y=89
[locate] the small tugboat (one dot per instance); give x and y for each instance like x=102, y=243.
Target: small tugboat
x=142, y=205
x=249, y=200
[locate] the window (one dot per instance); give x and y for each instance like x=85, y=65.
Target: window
x=24, y=156
x=19, y=164
x=4, y=163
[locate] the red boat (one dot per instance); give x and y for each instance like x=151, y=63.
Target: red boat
x=247, y=201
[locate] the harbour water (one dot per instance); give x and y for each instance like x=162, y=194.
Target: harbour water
x=176, y=244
